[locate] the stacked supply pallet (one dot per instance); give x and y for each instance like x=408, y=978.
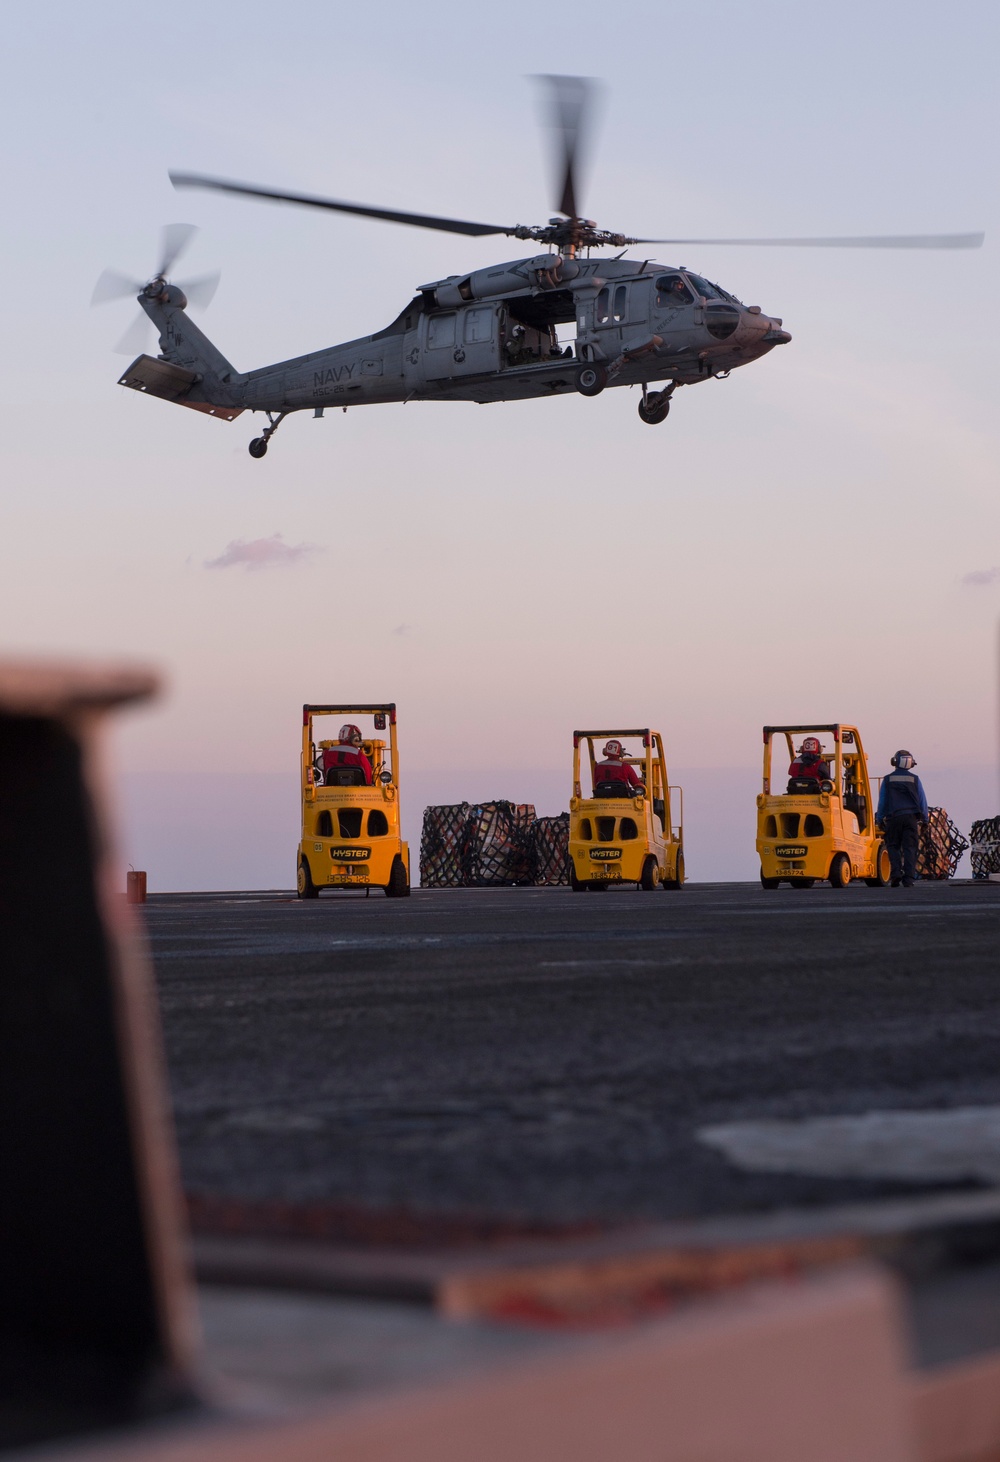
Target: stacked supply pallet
x=548, y=850
x=941, y=846
x=491, y=845
x=441, y=846
x=985, y=854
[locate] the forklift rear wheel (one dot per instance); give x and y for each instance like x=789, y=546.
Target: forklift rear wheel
x=840, y=871
x=398, y=886
x=597, y=887
x=802, y=882
x=650, y=878
x=257, y=447
x=678, y=879
x=305, y=886
x=768, y=882
x=883, y=868
x=591, y=380
x=575, y=883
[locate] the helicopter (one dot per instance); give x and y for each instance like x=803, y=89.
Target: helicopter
x=491, y=334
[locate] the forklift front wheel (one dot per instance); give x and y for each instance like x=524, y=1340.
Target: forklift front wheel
x=840, y=871
x=650, y=877
x=398, y=886
x=882, y=869
x=768, y=882
x=305, y=886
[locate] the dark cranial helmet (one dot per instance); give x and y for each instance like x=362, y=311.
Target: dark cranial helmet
x=904, y=760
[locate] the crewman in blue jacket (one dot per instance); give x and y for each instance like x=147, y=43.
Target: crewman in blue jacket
x=902, y=807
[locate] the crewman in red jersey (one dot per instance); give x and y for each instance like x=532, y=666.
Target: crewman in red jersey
x=347, y=753
x=809, y=762
x=615, y=769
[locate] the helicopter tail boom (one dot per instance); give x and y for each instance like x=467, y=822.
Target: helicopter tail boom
x=213, y=380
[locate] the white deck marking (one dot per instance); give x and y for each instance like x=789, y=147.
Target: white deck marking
x=935, y=1145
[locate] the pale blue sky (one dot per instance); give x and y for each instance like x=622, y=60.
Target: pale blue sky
x=792, y=541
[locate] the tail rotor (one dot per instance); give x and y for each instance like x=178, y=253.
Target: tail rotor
x=113, y=285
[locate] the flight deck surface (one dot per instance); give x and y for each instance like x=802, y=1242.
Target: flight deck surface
x=549, y=1058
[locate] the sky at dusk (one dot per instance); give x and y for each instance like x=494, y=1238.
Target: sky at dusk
x=817, y=537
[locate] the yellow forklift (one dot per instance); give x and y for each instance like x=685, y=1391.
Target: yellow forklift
x=350, y=824
x=621, y=834
x=819, y=827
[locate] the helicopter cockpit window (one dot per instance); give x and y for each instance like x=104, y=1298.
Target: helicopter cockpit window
x=440, y=331
x=706, y=290
x=621, y=295
x=671, y=290
x=602, y=308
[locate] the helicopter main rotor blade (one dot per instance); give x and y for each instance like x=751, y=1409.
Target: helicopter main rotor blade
x=309, y=200
x=570, y=100
x=176, y=237
x=870, y=241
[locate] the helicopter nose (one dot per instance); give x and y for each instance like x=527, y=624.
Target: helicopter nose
x=775, y=336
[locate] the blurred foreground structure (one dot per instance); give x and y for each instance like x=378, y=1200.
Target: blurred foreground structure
x=99, y=1355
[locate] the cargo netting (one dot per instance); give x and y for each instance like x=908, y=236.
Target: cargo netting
x=491, y=845
x=985, y=854
x=441, y=846
x=941, y=846
x=548, y=850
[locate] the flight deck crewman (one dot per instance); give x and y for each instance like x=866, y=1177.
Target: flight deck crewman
x=810, y=762
x=614, y=769
x=348, y=753
x=902, y=807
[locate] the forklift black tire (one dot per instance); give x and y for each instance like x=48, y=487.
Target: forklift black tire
x=656, y=415
x=883, y=870
x=398, y=886
x=575, y=883
x=678, y=879
x=840, y=871
x=591, y=380
x=768, y=882
x=257, y=447
x=802, y=882
x=597, y=887
x=305, y=887
x=650, y=878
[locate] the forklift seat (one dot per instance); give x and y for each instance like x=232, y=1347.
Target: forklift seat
x=346, y=777
x=614, y=789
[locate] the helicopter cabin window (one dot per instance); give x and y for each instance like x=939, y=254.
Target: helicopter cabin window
x=671, y=290
x=621, y=297
x=479, y=326
x=602, y=310
x=440, y=331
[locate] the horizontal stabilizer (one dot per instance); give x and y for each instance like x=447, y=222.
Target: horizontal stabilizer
x=171, y=383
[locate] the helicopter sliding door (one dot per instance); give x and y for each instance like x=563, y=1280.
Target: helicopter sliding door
x=463, y=342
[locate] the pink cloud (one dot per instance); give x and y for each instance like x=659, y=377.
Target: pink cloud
x=262, y=553
x=979, y=577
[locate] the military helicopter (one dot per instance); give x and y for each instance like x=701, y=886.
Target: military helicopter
x=491, y=334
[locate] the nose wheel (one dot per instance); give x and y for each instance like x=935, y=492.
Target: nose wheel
x=655, y=405
x=258, y=447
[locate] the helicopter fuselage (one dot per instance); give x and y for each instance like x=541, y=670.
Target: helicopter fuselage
x=490, y=336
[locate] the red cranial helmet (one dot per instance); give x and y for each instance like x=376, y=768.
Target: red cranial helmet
x=350, y=735
x=614, y=748
x=811, y=746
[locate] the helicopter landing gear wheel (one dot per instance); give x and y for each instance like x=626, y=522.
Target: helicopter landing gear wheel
x=591, y=380
x=258, y=447
x=655, y=406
